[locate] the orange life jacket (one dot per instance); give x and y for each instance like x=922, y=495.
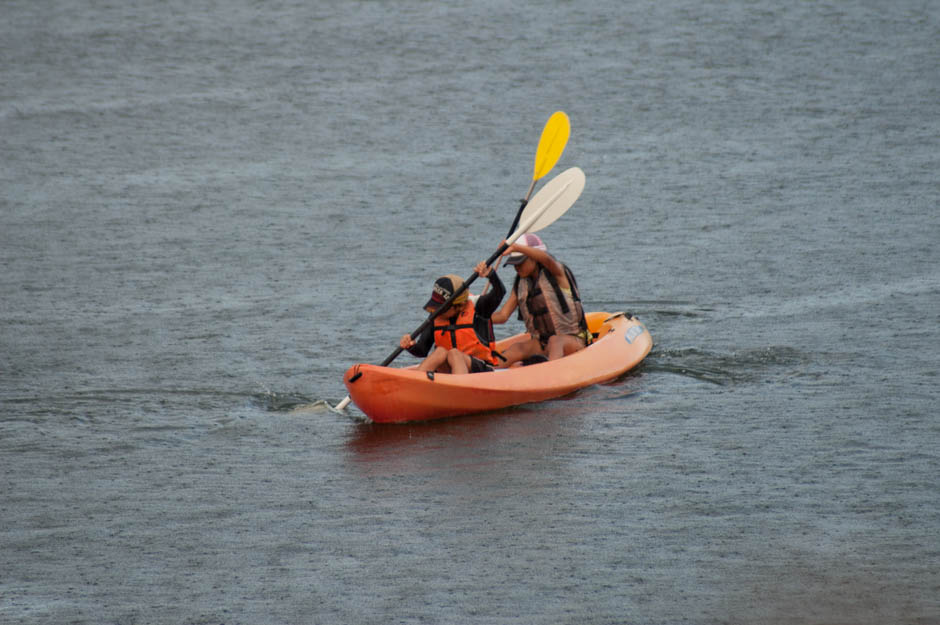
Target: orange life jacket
x=460, y=333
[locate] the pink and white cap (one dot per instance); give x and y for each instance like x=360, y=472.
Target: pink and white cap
x=528, y=239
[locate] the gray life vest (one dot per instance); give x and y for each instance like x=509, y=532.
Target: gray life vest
x=547, y=309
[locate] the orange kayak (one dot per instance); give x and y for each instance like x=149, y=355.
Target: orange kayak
x=390, y=395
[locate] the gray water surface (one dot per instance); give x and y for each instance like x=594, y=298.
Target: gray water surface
x=209, y=211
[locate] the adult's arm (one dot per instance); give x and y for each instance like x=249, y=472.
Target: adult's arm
x=543, y=258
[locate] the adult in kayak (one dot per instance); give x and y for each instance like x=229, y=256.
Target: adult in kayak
x=547, y=296
x=462, y=336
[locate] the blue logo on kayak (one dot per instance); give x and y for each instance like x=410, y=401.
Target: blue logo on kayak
x=632, y=333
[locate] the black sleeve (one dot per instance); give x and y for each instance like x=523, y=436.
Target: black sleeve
x=489, y=301
x=423, y=343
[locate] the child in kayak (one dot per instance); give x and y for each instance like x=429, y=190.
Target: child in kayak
x=462, y=336
x=546, y=294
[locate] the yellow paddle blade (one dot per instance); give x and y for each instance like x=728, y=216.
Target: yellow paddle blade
x=552, y=144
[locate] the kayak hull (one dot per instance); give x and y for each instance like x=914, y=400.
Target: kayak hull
x=390, y=395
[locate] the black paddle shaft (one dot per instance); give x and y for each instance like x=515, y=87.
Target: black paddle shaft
x=446, y=305
x=515, y=222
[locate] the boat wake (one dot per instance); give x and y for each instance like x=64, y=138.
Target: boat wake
x=293, y=403
x=296, y=404
x=723, y=369
x=320, y=405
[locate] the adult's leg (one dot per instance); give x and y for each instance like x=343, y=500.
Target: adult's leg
x=520, y=351
x=561, y=345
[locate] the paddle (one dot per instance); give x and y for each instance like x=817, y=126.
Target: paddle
x=551, y=202
x=551, y=144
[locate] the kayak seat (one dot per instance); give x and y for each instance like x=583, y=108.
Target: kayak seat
x=534, y=360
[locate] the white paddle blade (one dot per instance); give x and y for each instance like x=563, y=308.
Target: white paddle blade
x=551, y=202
